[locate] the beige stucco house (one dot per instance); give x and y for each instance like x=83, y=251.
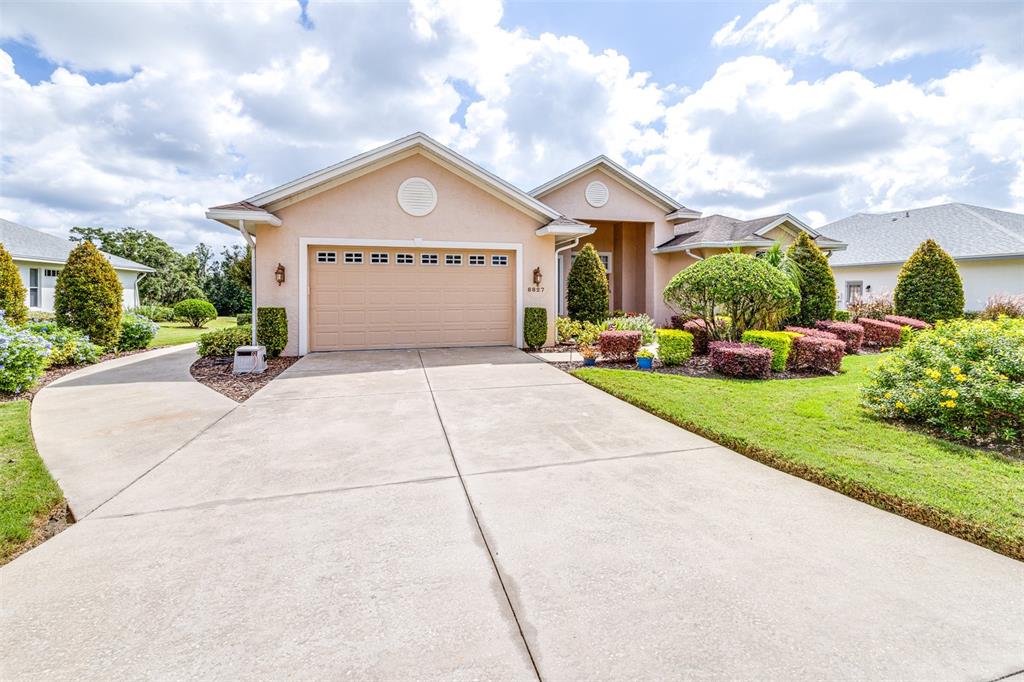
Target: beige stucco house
x=412, y=245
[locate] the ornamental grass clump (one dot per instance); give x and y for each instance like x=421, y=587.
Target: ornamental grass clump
x=965, y=379
x=730, y=292
x=616, y=345
x=778, y=343
x=875, y=306
x=742, y=360
x=1003, y=304
x=881, y=334
x=638, y=323
x=674, y=346
x=817, y=354
x=850, y=333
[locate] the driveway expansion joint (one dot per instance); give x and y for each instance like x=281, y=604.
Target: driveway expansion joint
x=591, y=460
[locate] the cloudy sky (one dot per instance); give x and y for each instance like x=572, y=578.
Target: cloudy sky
x=145, y=113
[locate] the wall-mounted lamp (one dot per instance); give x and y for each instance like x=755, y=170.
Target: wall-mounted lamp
x=279, y=274
x=537, y=276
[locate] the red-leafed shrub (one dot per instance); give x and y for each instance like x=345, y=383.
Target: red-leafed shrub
x=851, y=333
x=807, y=331
x=616, y=345
x=740, y=359
x=916, y=325
x=816, y=353
x=699, y=330
x=881, y=334
x=679, y=320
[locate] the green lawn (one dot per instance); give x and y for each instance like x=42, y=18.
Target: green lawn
x=814, y=428
x=172, y=333
x=27, y=491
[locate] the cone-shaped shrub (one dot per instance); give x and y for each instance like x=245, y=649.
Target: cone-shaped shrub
x=817, y=285
x=12, y=291
x=929, y=286
x=588, y=287
x=88, y=296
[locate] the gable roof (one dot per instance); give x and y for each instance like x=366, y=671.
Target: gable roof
x=720, y=231
x=384, y=155
x=964, y=231
x=24, y=243
x=645, y=189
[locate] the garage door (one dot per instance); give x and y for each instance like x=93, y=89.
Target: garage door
x=410, y=298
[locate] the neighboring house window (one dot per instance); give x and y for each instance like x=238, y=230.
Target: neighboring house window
x=499, y=261
x=477, y=259
x=379, y=258
x=353, y=256
x=452, y=259
x=404, y=258
x=50, y=273
x=854, y=291
x=606, y=260
x=428, y=259
x=326, y=257
x=33, y=287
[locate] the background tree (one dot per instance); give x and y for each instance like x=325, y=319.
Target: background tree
x=12, y=290
x=176, y=276
x=929, y=286
x=227, y=286
x=88, y=295
x=816, y=284
x=588, y=287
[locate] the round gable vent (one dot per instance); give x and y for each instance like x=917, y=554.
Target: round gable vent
x=417, y=196
x=597, y=194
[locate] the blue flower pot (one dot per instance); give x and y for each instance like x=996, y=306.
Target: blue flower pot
x=589, y=362
x=645, y=363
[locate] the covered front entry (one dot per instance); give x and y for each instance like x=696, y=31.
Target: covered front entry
x=370, y=297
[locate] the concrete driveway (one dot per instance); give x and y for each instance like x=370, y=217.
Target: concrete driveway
x=478, y=514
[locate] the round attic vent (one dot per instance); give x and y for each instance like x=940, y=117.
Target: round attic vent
x=417, y=196
x=597, y=194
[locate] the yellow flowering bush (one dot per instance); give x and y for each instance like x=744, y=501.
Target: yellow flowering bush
x=964, y=378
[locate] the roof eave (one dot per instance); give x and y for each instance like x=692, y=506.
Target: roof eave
x=865, y=264
x=566, y=230
x=232, y=218
x=653, y=193
x=711, y=245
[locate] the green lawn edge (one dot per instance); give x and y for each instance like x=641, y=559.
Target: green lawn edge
x=177, y=333
x=1006, y=537
x=29, y=495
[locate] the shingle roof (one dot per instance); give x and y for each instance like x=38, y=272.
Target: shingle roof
x=721, y=229
x=964, y=231
x=24, y=243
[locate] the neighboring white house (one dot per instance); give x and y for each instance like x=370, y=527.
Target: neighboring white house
x=987, y=245
x=40, y=257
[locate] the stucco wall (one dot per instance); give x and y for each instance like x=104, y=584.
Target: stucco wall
x=48, y=284
x=624, y=205
x=981, y=279
x=367, y=208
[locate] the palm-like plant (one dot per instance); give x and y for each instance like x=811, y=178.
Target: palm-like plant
x=781, y=261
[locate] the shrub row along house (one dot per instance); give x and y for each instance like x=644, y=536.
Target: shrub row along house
x=40, y=257
x=413, y=245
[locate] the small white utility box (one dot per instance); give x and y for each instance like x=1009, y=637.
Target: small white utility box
x=250, y=360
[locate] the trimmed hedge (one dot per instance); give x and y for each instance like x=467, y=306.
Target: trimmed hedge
x=881, y=334
x=929, y=286
x=243, y=319
x=817, y=353
x=699, y=331
x=223, y=342
x=587, y=287
x=677, y=321
x=12, y=291
x=88, y=296
x=849, y=332
x=808, y=331
x=195, y=311
x=842, y=316
x=777, y=342
x=674, y=346
x=535, y=327
x=916, y=325
x=817, y=285
x=616, y=345
x=272, y=329
x=744, y=360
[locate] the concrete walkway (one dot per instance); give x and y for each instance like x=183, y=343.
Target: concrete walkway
x=479, y=514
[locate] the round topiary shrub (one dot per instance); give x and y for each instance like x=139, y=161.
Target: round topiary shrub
x=195, y=311
x=929, y=286
x=587, y=288
x=735, y=285
x=817, y=285
x=88, y=296
x=12, y=291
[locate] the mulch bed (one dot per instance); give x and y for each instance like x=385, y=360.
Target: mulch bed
x=216, y=373
x=698, y=366
x=54, y=373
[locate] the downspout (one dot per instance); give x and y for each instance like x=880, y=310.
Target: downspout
x=558, y=285
x=252, y=275
x=692, y=255
x=138, y=297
